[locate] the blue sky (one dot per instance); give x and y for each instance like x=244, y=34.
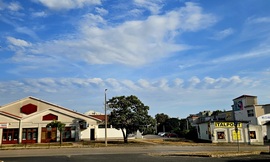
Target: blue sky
x=178, y=57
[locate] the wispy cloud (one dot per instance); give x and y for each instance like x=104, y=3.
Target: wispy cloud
x=14, y=6
x=101, y=11
x=223, y=34
x=132, y=43
x=18, y=42
x=68, y=4
x=153, y=6
x=39, y=14
x=257, y=20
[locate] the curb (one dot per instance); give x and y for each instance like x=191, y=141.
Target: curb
x=207, y=154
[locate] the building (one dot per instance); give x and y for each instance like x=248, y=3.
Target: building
x=248, y=122
x=246, y=108
x=25, y=120
x=112, y=133
x=227, y=132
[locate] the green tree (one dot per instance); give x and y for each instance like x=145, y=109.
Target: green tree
x=128, y=114
x=151, y=127
x=161, y=121
x=59, y=125
x=173, y=125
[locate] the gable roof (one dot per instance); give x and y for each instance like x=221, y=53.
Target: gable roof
x=10, y=115
x=54, y=105
x=101, y=117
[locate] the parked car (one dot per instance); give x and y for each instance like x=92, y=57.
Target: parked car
x=171, y=135
x=162, y=134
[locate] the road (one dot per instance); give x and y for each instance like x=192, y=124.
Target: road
x=131, y=158
x=121, y=154
x=125, y=150
x=142, y=153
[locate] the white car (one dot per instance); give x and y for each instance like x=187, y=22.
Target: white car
x=162, y=134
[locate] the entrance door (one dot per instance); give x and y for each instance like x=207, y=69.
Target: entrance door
x=92, y=134
x=48, y=135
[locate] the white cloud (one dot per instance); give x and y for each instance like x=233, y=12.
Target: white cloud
x=135, y=12
x=194, y=81
x=145, y=84
x=257, y=20
x=132, y=43
x=161, y=95
x=101, y=11
x=18, y=42
x=27, y=31
x=14, y=6
x=209, y=80
x=179, y=82
x=68, y=4
x=153, y=6
x=223, y=34
x=192, y=18
x=39, y=14
x=142, y=84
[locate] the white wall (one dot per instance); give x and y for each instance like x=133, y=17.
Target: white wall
x=204, y=133
x=111, y=133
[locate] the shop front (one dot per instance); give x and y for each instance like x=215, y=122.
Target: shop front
x=230, y=132
x=10, y=136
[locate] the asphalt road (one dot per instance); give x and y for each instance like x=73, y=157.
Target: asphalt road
x=132, y=158
x=147, y=153
x=125, y=150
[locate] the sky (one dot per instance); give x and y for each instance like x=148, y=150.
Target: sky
x=178, y=57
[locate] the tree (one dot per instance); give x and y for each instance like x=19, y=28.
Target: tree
x=173, y=125
x=59, y=125
x=161, y=119
x=128, y=114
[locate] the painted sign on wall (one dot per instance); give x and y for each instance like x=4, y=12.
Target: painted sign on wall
x=3, y=125
x=227, y=124
x=236, y=135
x=238, y=105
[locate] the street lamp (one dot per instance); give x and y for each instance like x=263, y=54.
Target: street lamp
x=105, y=105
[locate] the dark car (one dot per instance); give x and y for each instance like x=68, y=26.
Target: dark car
x=171, y=135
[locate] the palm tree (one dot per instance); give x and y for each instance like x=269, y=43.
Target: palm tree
x=59, y=125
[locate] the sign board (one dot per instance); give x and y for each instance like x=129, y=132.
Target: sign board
x=263, y=118
x=3, y=125
x=226, y=124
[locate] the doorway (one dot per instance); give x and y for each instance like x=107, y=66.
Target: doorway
x=92, y=134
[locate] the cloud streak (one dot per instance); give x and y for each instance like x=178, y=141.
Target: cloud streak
x=132, y=43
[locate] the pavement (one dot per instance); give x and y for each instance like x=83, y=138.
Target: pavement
x=138, y=143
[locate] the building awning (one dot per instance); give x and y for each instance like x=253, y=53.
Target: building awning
x=267, y=123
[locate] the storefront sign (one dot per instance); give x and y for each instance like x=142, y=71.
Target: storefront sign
x=3, y=125
x=227, y=124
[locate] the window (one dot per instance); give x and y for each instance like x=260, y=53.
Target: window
x=220, y=135
x=29, y=135
x=250, y=113
x=10, y=136
x=252, y=134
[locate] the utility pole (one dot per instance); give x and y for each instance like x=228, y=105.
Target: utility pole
x=105, y=105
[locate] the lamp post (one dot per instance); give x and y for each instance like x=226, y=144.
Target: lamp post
x=105, y=105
